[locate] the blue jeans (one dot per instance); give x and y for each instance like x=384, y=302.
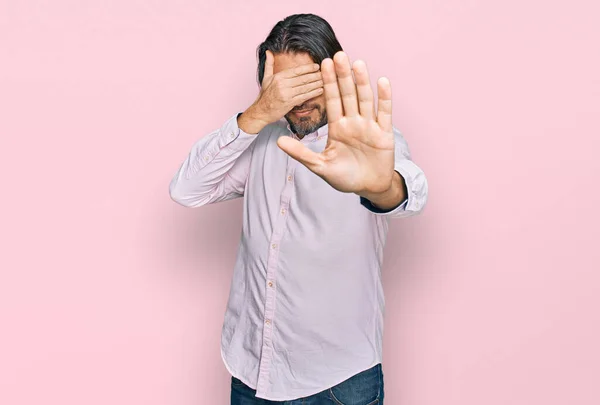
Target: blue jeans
x=364, y=388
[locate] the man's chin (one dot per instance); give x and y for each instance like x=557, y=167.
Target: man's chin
x=305, y=126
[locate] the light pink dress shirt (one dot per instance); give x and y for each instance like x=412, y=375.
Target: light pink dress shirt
x=306, y=304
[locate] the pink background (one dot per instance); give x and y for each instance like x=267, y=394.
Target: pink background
x=110, y=293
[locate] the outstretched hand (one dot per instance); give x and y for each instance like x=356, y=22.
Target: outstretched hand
x=359, y=154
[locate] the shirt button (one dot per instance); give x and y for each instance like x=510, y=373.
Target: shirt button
x=268, y=321
x=283, y=210
x=270, y=284
x=274, y=245
x=289, y=178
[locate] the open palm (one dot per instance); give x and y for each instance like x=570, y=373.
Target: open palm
x=359, y=154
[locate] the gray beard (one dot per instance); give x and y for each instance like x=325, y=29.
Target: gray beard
x=307, y=127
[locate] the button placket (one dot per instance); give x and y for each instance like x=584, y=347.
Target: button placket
x=271, y=289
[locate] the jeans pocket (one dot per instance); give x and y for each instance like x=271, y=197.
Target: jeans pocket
x=363, y=388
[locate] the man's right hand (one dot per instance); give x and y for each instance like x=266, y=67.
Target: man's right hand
x=280, y=93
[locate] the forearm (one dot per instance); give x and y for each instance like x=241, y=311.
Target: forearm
x=215, y=167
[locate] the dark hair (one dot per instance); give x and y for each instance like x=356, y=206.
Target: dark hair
x=299, y=33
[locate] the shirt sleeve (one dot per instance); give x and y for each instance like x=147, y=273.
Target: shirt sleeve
x=414, y=178
x=216, y=168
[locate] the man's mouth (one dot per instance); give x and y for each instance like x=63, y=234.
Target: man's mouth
x=302, y=113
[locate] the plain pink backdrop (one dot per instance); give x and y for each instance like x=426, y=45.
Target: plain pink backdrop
x=110, y=293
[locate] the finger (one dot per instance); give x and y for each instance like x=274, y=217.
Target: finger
x=333, y=101
x=308, y=87
x=299, y=99
x=312, y=160
x=363, y=87
x=304, y=79
x=346, y=84
x=268, y=72
x=299, y=70
x=384, y=104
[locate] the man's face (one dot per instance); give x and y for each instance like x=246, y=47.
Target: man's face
x=302, y=124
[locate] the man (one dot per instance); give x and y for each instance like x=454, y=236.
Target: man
x=304, y=320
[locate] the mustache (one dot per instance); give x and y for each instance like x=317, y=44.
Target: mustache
x=303, y=108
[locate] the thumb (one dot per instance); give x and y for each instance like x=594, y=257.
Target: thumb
x=312, y=160
x=268, y=72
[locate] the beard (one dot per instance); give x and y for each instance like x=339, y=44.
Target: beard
x=307, y=125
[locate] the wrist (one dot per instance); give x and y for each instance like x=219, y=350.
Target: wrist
x=252, y=120
x=390, y=198
x=259, y=113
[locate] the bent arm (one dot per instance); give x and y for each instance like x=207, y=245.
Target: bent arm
x=216, y=168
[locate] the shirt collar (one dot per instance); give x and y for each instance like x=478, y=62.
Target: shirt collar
x=313, y=136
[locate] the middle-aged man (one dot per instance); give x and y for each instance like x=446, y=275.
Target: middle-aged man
x=304, y=320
